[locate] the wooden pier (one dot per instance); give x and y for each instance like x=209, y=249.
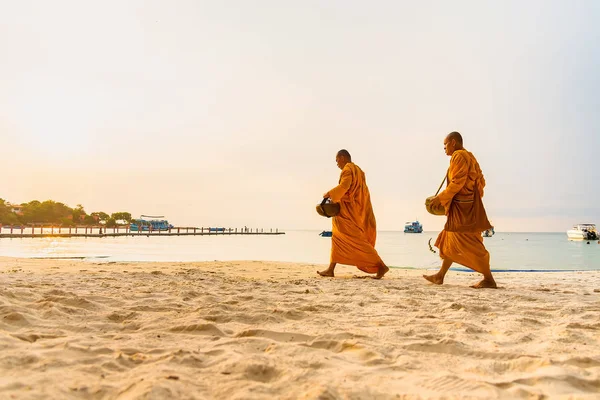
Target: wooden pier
x=96, y=231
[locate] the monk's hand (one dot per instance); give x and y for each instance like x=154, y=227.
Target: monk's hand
x=435, y=202
x=326, y=195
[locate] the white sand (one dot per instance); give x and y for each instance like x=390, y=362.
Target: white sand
x=244, y=330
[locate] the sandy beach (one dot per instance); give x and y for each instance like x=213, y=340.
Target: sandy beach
x=251, y=330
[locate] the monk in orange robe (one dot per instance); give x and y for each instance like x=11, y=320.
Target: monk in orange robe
x=460, y=241
x=354, y=228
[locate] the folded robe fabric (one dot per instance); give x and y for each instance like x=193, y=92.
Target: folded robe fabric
x=461, y=239
x=354, y=228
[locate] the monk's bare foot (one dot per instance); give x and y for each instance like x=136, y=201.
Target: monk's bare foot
x=326, y=273
x=381, y=272
x=435, y=278
x=485, y=284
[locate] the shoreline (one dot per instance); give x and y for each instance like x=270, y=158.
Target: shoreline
x=253, y=329
x=461, y=269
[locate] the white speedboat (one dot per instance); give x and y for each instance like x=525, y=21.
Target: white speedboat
x=583, y=231
x=488, y=233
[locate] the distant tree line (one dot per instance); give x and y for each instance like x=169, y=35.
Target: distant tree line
x=53, y=212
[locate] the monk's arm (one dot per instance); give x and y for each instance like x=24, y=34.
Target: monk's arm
x=340, y=190
x=459, y=171
x=481, y=180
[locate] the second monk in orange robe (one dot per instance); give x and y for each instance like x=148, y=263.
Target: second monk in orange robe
x=461, y=240
x=354, y=228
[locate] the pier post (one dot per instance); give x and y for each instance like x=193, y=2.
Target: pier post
x=69, y=230
x=52, y=229
x=194, y=231
x=86, y=230
x=178, y=230
x=11, y=229
x=76, y=229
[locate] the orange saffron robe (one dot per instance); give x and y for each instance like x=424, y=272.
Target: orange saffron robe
x=354, y=228
x=461, y=240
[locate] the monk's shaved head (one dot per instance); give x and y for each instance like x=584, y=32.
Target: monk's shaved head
x=452, y=143
x=456, y=136
x=344, y=153
x=342, y=158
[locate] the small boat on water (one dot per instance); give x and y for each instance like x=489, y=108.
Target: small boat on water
x=488, y=233
x=326, y=234
x=583, y=232
x=413, y=227
x=148, y=223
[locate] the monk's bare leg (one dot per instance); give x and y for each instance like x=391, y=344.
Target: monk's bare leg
x=488, y=282
x=329, y=271
x=438, y=278
x=383, y=269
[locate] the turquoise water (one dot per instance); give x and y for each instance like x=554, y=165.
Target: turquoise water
x=509, y=251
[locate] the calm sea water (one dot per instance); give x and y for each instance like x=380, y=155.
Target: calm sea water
x=509, y=251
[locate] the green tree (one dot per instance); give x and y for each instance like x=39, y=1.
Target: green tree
x=78, y=212
x=53, y=212
x=111, y=223
x=30, y=211
x=67, y=222
x=89, y=220
x=7, y=217
x=48, y=211
x=121, y=216
x=102, y=216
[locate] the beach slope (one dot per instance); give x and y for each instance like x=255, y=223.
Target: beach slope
x=249, y=329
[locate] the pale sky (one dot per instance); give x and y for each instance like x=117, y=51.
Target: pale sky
x=230, y=113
